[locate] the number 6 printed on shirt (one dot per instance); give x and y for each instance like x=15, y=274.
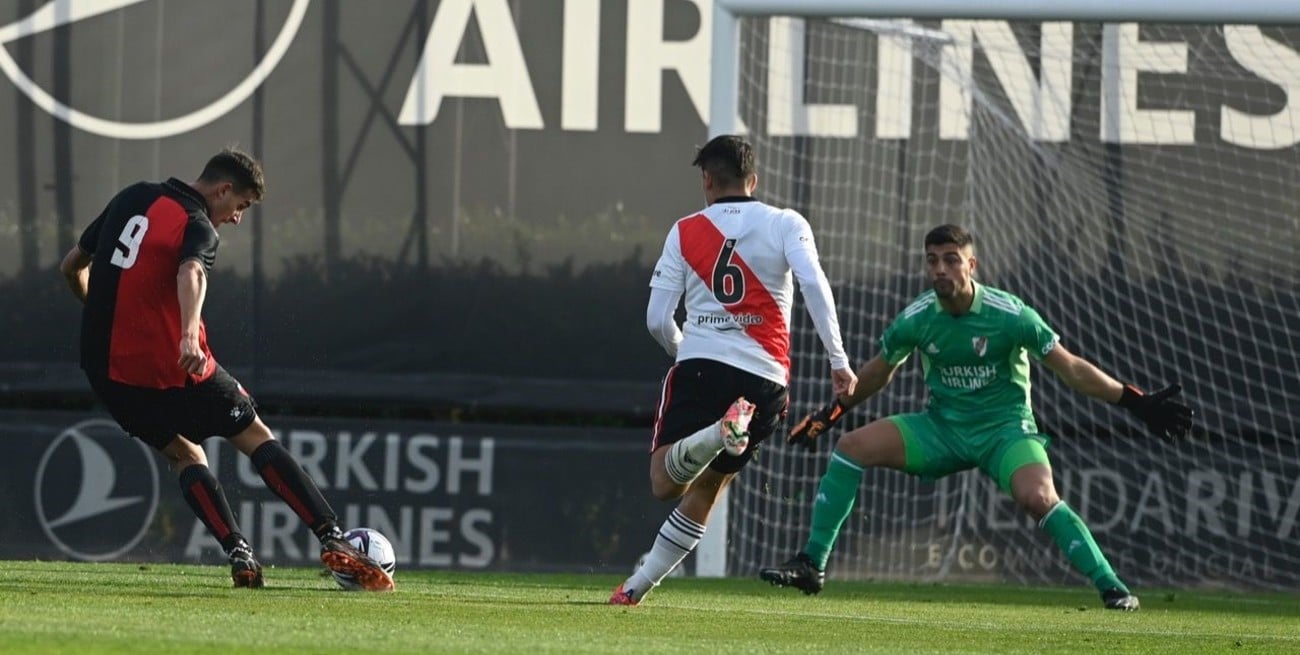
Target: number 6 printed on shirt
x=128, y=243
x=728, y=278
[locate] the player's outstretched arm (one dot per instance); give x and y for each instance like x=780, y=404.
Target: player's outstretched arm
x=801, y=255
x=872, y=377
x=1160, y=411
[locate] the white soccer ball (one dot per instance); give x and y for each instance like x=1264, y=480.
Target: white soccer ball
x=374, y=545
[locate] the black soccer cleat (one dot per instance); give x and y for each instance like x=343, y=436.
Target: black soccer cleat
x=798, y=572
x=245, y=570
x=1120, y=599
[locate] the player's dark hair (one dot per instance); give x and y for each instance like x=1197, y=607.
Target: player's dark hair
x=946, y=234
x=728, y=158
x=237, y=167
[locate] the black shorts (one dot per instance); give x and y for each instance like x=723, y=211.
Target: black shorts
x=216, y=407
x=697, y=392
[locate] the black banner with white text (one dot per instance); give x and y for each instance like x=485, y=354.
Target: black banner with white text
x=522, y=498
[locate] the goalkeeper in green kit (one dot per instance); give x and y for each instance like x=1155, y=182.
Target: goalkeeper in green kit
x=975, y=343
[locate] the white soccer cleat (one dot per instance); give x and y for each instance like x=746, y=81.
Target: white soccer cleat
x=735, y=426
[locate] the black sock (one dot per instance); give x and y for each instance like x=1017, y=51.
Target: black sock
x=286, y=478
x=204, y=495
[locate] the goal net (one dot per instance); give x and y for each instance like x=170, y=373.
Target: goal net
x=1137, y=184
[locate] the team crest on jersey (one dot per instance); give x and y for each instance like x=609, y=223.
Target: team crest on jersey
x=980, y=344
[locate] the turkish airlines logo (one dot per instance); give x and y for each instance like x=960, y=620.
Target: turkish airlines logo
x=96, y=491
x=57, y=13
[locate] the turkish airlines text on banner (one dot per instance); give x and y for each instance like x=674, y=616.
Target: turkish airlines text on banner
x=447, y=495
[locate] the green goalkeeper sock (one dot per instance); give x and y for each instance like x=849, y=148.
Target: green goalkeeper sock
x=1075, y=540
x=835, y=498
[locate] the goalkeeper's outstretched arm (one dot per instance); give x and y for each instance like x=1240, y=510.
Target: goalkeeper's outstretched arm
x=1081, y=375
x=873, y=376
x=1162, y=413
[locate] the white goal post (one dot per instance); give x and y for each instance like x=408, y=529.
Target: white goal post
x=1129, y=168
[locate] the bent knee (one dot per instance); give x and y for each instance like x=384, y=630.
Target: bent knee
x=1038, y=502
x=180, y=459
x=664, y=487
x=666, y=491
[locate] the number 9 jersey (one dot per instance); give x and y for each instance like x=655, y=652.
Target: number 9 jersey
x=130, y=326
x=734, y=262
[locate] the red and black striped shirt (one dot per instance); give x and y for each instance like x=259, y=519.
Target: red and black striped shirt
x=131, y=323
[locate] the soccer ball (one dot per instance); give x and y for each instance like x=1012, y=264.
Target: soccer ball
x=374, y=545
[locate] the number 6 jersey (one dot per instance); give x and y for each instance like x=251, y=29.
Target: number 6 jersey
x=734, y=262
x=131, y=323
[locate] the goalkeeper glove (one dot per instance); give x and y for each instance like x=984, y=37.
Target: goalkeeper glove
x=1163, y=415
x=805, y=433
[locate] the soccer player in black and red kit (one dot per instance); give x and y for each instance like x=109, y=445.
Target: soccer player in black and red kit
x=140, y=270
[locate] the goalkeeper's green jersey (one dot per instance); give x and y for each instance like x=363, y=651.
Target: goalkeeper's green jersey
x=976, y=364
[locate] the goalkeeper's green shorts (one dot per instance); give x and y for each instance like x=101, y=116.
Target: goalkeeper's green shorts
x=936, y=448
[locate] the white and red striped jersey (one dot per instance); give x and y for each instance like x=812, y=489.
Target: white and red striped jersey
x=734, y=261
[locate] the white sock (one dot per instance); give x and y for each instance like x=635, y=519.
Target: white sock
x=688, y=457
x=677, y=537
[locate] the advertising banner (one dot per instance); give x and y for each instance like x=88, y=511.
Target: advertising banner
x=475, y=497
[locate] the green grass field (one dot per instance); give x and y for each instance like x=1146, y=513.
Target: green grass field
x=89, y=609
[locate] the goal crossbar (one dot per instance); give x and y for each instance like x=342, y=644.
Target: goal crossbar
x=725, y=71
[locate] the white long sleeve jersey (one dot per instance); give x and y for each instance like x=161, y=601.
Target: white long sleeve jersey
x=734, y=262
